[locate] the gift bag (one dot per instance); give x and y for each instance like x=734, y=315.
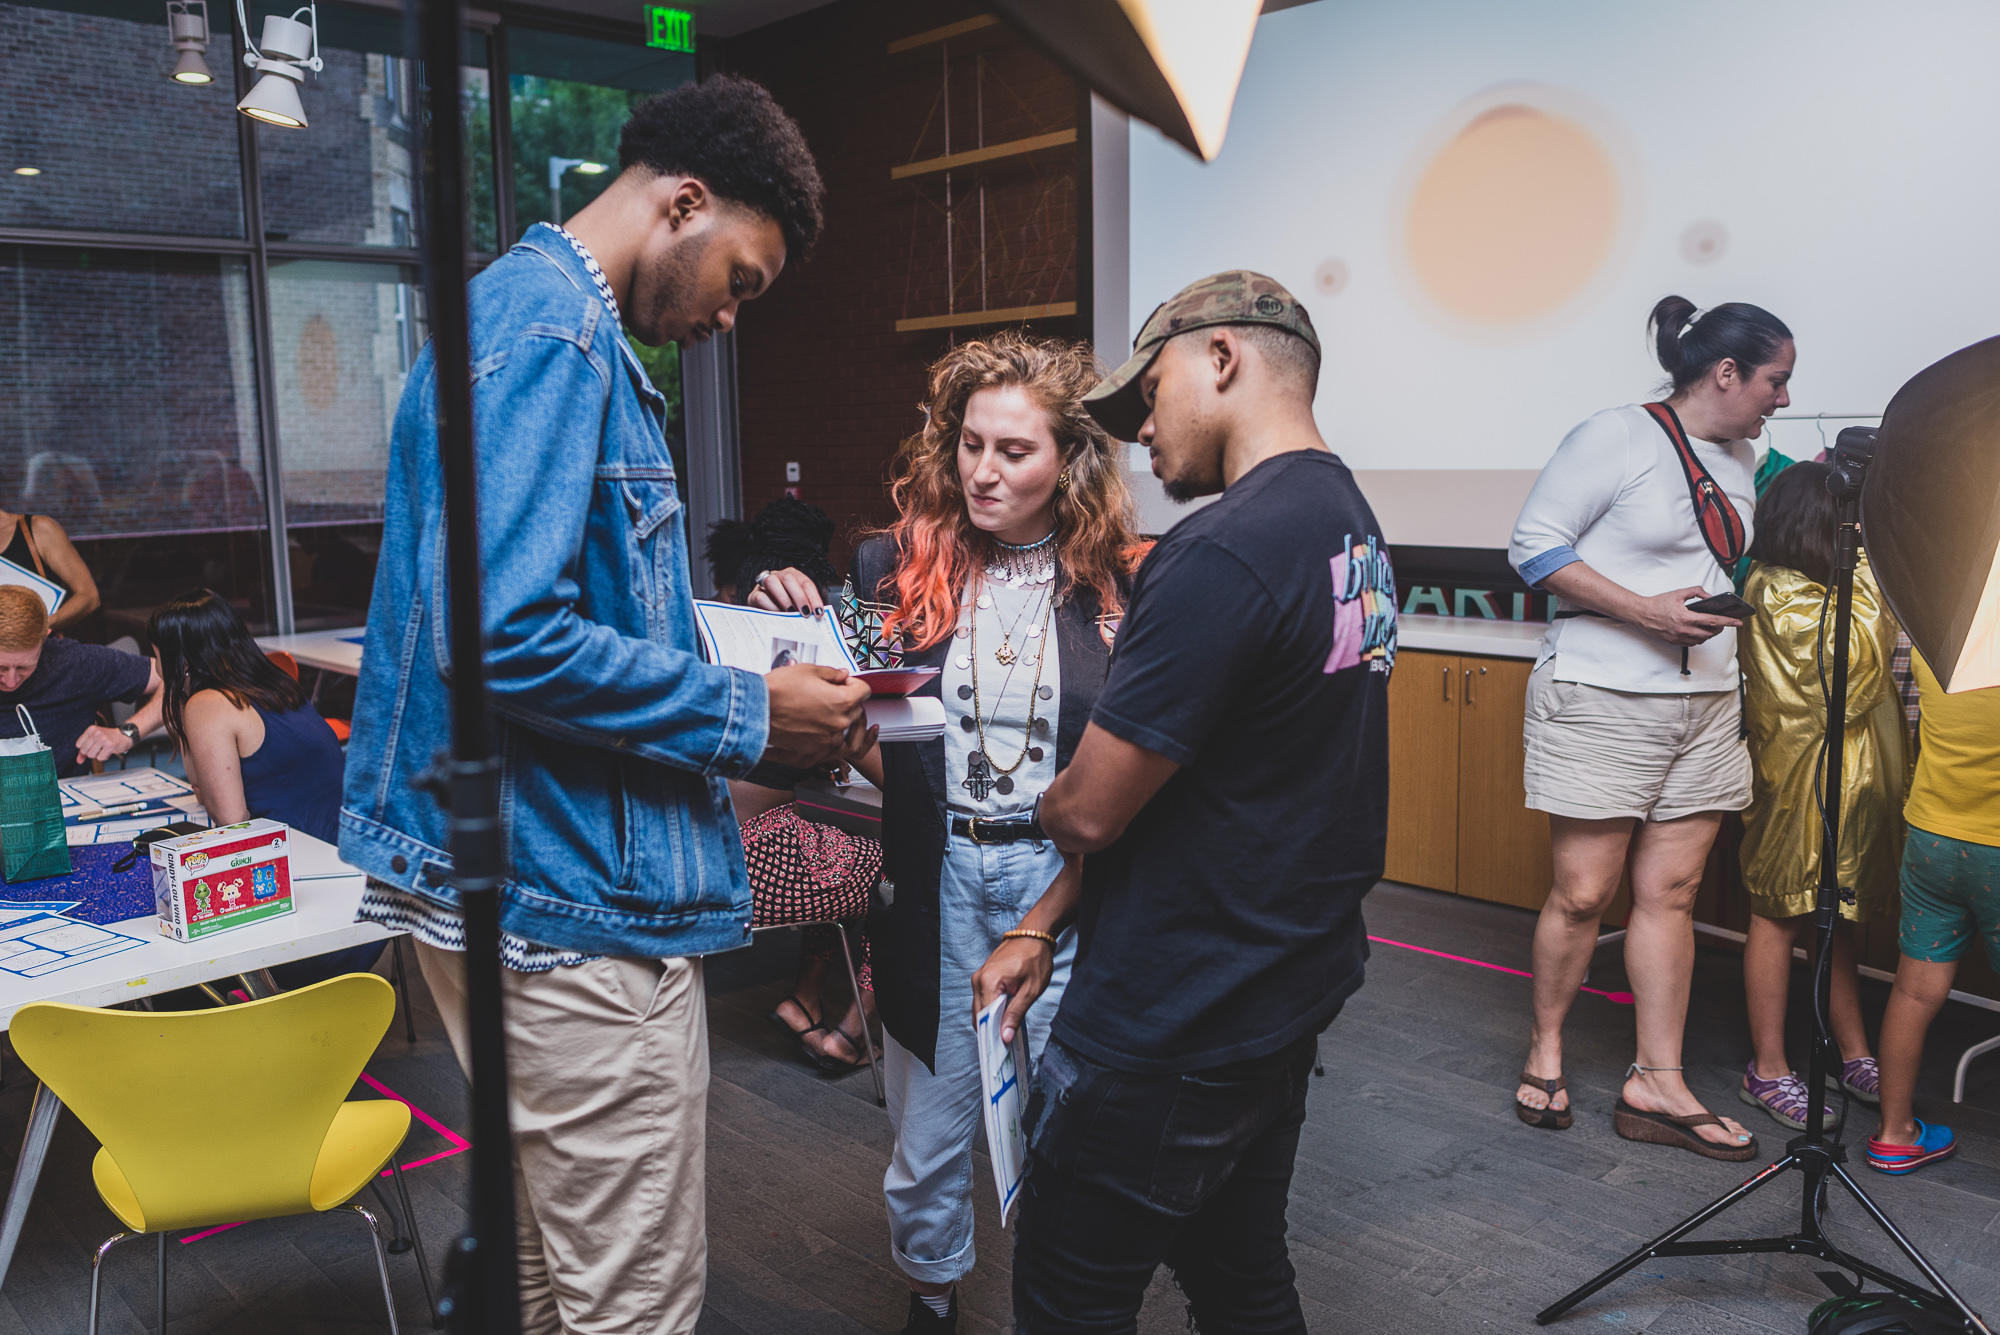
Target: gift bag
x=33, y=843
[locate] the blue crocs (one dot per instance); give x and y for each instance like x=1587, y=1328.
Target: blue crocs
x=1933, y=1143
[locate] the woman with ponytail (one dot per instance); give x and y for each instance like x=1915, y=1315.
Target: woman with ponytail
x=1634, y=722
x=1007, y=568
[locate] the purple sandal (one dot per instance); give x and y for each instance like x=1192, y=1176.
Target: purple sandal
x=1863, y=1079
x=1784, y=1098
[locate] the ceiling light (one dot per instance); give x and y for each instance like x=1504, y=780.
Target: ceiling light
x=289, y=49
x=187, y=26
x=1173, y=63
x=27, y=171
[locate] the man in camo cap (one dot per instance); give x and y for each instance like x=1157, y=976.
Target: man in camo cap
x=1259, y=311
x=1232, y=789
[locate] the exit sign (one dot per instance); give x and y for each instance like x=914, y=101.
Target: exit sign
x=669, y=29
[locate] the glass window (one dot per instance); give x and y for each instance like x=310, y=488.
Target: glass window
x=128, y=411
x=115, y=144
x=349, y=177
x=567, y=99
x=343, y=337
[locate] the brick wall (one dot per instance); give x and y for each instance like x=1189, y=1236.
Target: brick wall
x=824, y=378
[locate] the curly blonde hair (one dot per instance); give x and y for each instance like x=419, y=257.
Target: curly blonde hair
x=939, y=547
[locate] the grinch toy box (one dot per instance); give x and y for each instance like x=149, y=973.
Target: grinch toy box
x=223, y=878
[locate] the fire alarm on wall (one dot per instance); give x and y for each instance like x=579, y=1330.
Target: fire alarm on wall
x=792, y=471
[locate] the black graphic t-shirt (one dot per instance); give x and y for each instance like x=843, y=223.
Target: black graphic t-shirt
x=1226, y=923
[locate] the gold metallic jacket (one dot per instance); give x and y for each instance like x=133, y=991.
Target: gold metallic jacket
x=1787, y=720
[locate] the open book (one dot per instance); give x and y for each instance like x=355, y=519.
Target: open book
x=760, y=641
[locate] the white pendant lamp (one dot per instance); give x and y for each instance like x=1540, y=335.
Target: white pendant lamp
x=289, y=49
x=187, y=26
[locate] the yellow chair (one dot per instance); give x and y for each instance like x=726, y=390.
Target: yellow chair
x=234, y=1114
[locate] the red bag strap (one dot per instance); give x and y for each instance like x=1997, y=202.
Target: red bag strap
x=1721, y=527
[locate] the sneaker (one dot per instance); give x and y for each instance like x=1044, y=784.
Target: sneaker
x=924, y=1321
x=1933, y=1143
x=1784, y=1098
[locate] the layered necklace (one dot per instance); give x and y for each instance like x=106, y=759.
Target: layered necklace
x=1024, y=566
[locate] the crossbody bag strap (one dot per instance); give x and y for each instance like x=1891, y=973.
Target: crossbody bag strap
x=27, y=523
x=1714, y=515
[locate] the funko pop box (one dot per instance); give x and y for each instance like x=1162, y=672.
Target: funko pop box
x=223, y=878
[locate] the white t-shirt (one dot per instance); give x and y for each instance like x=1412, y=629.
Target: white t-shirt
x=1615, y=497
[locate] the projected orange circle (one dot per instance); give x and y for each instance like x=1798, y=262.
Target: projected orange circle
x=1513, y=216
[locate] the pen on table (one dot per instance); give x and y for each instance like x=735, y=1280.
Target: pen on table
x=100, y=813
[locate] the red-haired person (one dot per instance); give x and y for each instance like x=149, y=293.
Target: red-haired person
x=1007, y=569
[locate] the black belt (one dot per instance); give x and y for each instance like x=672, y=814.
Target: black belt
x=998, y=829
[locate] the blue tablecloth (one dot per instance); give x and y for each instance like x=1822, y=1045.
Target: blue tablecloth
x=101, y=895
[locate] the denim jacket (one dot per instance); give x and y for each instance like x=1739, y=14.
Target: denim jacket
x=614, y=735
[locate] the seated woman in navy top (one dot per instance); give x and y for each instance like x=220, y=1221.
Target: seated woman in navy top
x=253, y=744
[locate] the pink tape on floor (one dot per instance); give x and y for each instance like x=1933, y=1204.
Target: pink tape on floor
x=1618, y=998
x=457, y=1145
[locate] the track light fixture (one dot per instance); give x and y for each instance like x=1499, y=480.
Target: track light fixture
x=289, y=49
x=187, y=26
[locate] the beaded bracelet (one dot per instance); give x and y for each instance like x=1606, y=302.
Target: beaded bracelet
x=1029, y=933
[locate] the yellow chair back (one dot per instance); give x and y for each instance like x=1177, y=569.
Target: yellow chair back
x=211, y=1115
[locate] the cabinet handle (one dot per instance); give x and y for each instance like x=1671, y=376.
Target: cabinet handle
x=1468, y=686
x=1447, y=685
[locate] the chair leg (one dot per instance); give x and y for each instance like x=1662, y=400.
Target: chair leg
x=867, y=1037
x=398, y=945
x=97, y=1272
x=381, y=1264
x=162, y=1285
x=417, y=1238
x=398, y=1243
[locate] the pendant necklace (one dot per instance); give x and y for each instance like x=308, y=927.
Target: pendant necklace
x=980, y=767
x=1021, y=566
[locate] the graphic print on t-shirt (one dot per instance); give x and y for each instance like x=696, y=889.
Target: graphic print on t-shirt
x=1364, y=608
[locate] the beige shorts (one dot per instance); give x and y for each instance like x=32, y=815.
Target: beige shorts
x=1598, y=754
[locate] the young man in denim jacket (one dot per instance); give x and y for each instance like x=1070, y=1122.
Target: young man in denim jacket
x=615, y=737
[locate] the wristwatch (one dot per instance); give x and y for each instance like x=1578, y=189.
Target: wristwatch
x=131, y=731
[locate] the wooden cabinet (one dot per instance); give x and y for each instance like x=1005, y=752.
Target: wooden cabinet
x=1457, y=814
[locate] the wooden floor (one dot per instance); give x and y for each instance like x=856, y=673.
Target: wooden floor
x=1420, y=1203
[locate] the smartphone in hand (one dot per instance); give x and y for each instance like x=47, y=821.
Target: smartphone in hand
x=1723, y=605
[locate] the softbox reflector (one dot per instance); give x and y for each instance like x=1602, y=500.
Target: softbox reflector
x=1930, y=514
x=1172, y=63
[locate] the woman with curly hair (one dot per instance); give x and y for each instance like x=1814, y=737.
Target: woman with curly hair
x=1007, y=568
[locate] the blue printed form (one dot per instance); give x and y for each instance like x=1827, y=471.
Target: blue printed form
x=1003, y=1075
x=41, y=938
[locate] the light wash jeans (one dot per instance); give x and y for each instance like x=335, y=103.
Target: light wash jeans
x=984, y=891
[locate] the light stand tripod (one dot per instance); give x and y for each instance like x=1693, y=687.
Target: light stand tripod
x=1815, y=1154
x=481, y=1288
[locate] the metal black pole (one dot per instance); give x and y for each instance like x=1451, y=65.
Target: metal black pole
x=481, y=1295
x=1814, y=1154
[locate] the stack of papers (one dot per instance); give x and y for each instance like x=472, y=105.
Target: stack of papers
x=910, y=718
x=1003, y=1079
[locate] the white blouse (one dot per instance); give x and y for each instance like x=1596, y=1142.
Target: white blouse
x=1615, y=496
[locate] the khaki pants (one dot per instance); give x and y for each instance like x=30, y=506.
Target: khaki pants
x=607, y=1067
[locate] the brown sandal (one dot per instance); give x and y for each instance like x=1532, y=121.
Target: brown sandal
x=1656, y=1128
x=1546, y=1119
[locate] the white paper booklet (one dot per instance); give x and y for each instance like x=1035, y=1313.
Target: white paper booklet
x=1003, y=1077
x=758, y=641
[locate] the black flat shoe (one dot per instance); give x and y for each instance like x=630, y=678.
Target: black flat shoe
x=923, y=1321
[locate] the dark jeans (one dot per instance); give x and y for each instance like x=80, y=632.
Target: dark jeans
x=1128, y=1171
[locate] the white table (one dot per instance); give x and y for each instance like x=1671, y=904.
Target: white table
x=328, y=650
x=326, y=890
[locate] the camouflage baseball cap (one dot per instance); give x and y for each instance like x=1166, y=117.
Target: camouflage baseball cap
x=1235, y=296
